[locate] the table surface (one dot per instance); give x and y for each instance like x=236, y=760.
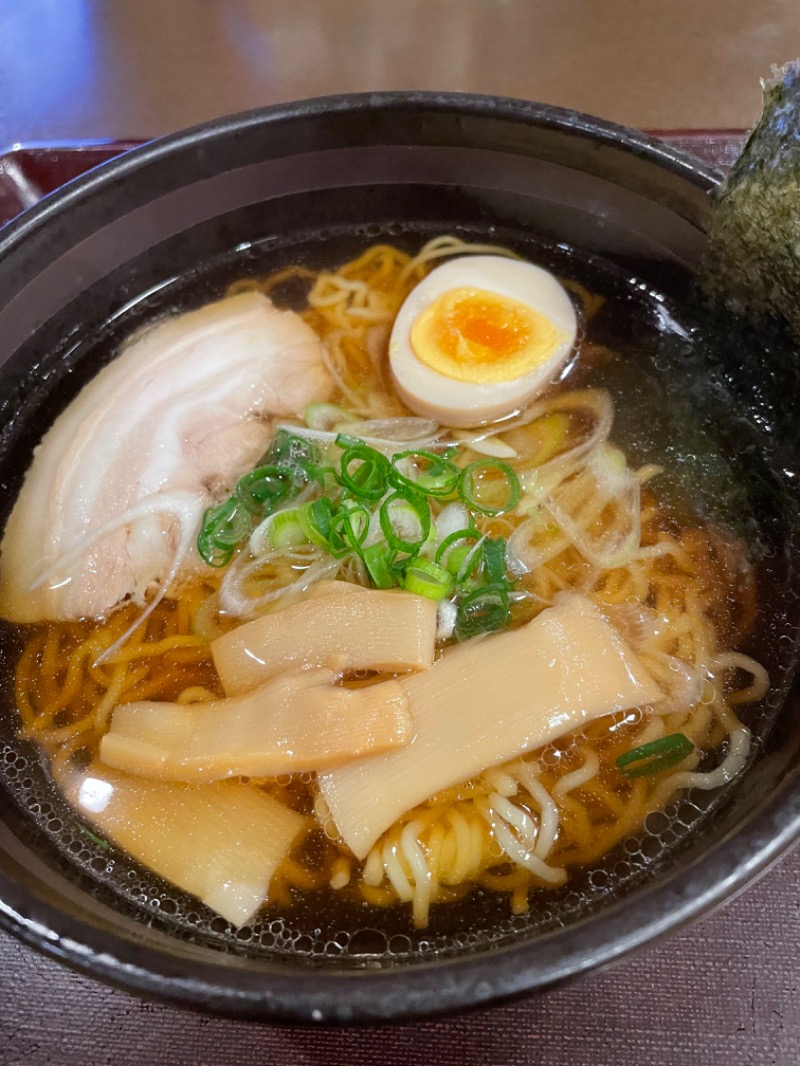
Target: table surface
x=725, y=991
x=137, y=68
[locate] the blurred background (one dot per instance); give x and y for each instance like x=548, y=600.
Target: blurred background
x=138, y=68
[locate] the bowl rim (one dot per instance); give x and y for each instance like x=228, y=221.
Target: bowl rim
x=546, y=116
x=427, y=988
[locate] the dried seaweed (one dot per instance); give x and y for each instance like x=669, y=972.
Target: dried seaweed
x=753, y=260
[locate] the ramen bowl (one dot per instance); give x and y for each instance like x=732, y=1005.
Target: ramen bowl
x=157, y=229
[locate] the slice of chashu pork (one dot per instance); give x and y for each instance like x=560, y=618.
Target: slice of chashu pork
x=111, y=504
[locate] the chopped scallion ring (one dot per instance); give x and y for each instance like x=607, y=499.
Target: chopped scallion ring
x=437, y=476
x=266, y=488
x=221, y=529
x=287, y=449
x=402, y=516
x=315, y=521
x=428, y=579
x=349, y=528
x=285, y=530
x=483, y=611
x=345, y=440
x=377, y=559
x=489, y=486
x=446, y=549
x=459, y=560
x=467, y=564
x=364, y=471
x=658, y=755
x=494, y=559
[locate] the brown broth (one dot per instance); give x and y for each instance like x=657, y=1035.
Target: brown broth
x=709, y=448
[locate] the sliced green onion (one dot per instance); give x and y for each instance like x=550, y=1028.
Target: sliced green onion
x=226, y=524
x=349, y=528
x=266, y=488
x=428, y=579
x=656, y=756
x=469, y=571
x=221, y=529
x=297, y=457
x=377, y=559
x=457, y=560
x=315, y=521
x=367, y=480
x=213, y=555
x=446, y=548
x=95, y=839
x=326, y=476
x=400, y=505
x=483, y=611
x=289, y=449
x=494, y=560
x=439, y=477
x=285, y=530
x=489, y=486
x=346, y=440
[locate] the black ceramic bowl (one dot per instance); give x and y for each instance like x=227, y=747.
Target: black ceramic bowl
x=115, y=246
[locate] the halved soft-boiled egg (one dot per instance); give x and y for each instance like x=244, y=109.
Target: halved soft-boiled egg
x=479, y=338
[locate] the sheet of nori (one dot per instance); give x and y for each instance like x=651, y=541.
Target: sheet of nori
x=753, y=262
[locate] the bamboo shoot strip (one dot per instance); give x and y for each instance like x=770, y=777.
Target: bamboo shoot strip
x=486, y=702
x=220, y=842
x=296, y=722
x=390, y=631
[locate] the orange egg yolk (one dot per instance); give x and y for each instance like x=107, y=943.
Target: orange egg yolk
x=480, y=337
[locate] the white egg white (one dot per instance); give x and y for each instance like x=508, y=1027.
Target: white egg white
x=462, y=403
